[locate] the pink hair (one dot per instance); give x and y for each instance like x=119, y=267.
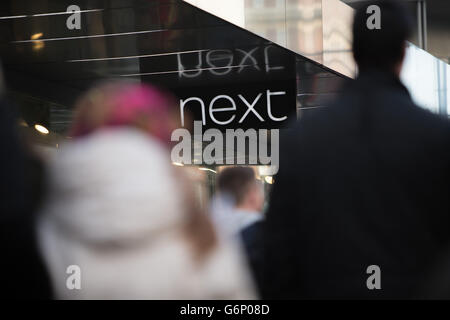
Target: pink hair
x=124, y=105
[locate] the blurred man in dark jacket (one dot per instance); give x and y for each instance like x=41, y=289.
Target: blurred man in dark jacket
x=360, y=207
x=21, y=187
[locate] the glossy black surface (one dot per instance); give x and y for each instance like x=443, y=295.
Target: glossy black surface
x=166, y=42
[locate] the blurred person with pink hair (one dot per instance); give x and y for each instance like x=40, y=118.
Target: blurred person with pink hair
x=116, y=104
x=120, y=213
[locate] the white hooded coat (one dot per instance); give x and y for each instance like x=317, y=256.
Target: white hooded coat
x=115, y=211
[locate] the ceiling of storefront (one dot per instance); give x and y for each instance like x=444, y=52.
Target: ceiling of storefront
x=166, y=42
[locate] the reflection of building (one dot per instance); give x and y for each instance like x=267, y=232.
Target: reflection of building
x=295, y=24
x=337, y=37
x=319, y=30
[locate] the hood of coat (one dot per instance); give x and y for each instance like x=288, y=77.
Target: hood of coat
x=115, y=185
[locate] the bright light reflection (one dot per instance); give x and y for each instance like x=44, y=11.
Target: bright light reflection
x=41, y=129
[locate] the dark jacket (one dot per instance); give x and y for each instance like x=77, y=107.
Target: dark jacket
x=252, y=240
x=362, y=182
x=23, y=273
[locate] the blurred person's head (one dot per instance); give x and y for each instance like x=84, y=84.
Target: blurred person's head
x=242, y=186
x=117, y=104
x=118, y=208
x=120, y=106
x=384, y=48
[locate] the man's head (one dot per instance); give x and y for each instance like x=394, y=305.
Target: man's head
x=240, y=183
x=382, y=48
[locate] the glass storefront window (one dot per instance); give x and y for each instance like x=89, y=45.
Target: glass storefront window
x=426, y=78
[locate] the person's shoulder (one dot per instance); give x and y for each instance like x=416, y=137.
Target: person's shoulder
x=309, y=121
x=427, y=122
x=431, y=118
x=254, y=227
x=253, y=231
